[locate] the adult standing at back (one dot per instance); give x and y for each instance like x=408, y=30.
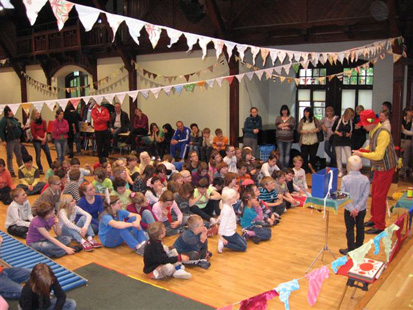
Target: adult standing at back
x=284, y=126
x=119, y=122
x=60, y=134
x=101, y=117
x=327, y=123
x=358, y=138
x=10, y=133
x=180, y=140
x=39, y=133
x=383, y=162
x=140, y=127
x=73, y=118
x=308, y=128
x=343, y=129
x=252, y=126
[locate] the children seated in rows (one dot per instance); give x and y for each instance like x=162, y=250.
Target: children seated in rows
x=29, y=177
x=282, y=189
x=205, y=201
x=139, y=204
x=74, y=222
x=222, y=170
x=132, y=168
x=186, y=176
x=163, y=212
x=61, y=173
x=181, y=198
x=214, y=160
x=220, y=142
x=39, y=238
x=52, y=170
x=252, y=218
x=248, y=160
x=72, y=187
x=119, y=172
x=159, y=261
x=270, y=197
x=102, y=183
x=114, y=230
x=51, y=195
x=228, y=236
x=122, y=192
x=192, y=163
x=19, y=214
x=195, y=139
x=269, y=167
x=193, y=242
x=299, y=175
x=155, y=191
x=91, y=203
x=139, y=185
x=270, y=218
x=200, y=173
x=207, y=144
x=87, y=170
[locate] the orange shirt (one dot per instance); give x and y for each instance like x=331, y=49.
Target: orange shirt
x=219, y=143
x=6, y=180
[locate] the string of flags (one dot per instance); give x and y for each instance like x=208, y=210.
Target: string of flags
x=317, y=276
x=88, y=16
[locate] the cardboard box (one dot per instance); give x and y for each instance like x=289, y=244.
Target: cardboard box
x=320, y=181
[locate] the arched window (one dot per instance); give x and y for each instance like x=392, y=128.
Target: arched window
x=77, y=80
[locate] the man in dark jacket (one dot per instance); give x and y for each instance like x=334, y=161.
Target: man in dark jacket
x=119, y=122
x=252, y=125
x=10, y=134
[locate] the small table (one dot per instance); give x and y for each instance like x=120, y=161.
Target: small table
x=330, y=204
x=404, y=202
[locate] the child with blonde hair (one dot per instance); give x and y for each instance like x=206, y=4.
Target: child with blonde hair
x=161, y=262
x=80, y=230
x=299, y=175
x=228, y=236
x=193, y=243
x=19, y=214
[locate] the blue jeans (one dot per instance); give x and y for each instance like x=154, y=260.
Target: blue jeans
x=73, y=234
x=50, y=249
x=236, y=242
x=147, y=217
x=284, y=148
x=132, y=236
x=264, y=233
x=329, y=149
x=60, y=149
x=10, y=280
x=38, y=146
x=70, y=304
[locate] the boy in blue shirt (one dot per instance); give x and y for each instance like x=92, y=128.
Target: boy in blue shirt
x=270, y=197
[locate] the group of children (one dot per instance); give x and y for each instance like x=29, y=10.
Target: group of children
x=140, y=204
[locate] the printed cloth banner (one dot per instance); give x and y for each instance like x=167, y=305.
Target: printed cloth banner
x=154, y=33
x=87, y=15
x=358, y=254
x=387, y=239
x=33, y=8
x=61, y=10
x=377, y=240
x=284, y=291
x=316, y=279
x=258, y=302
x=341, y=261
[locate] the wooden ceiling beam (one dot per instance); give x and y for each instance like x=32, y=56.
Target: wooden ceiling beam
x=216, y=18
x=244, y=11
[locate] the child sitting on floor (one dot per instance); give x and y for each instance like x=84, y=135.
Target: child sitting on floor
x=51, y=195
x=270, y=196
x=81, y=230
x=252, y=217
x=19, y=214
x=29, y=177
x=163, y=212
x=75, y=164
x=228, y=236
x=6, y=183
x=123, y=193
x=102, y=184
x=132, y=168
x=72, y=187
x=282, y=189
x=358, y=186
x=230, y=159
x=52, y=170
x=269, y=167
x=114, y=231
x=181, y=198
x=141, y=206
x=299, y=175
x=39, y=238
x=193, y=243
x=161, y=262
x=293, y=189
x=220, y=142
x=270, y=218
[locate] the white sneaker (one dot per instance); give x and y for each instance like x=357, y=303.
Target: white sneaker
x=220, y=246
x=182, y=274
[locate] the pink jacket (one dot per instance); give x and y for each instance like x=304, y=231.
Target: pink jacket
x=60, y=129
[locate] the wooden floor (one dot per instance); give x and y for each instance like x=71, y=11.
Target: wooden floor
x=236, y=276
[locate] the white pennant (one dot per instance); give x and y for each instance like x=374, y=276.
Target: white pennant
x=278, y=69
x=109, y=97
x=191, y=39
x=268, y=73
x=51, y=104
x=240, y=77
x=135, y=27
x=7, y=5
x=87, y=16
x=273, y=55
x=62, y=103
x=219, y=45
x=259, y=74
x=38, y=106
x=156, y=91
x=33, y=8
x=210, y=83
x=203, y=43
x=114, y=22
x=297, y=56
x=154, y=33
x=61, y=10
x=174, y=35
x=144, y=93
x=14, y=107
x=219, y=81
x=290, y=56
x=133, y=94
x=264, y=55
x=254, y=51
x=323, y=59
x=287, y=68
x=241, y=50
x=167, y=90
x=281, y=56
x=340, y=57
x=121, y=97
x=250, y=75
x=98, y=99
x=230, y=48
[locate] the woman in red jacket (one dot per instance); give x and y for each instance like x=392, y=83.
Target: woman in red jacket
x=39, y=132
x=60, y=134
x=101, y=117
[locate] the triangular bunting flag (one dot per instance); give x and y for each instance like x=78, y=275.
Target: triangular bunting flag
x=191, y=39
x=203, y=43
x=230, y=48
x=98, y=99
x=179, y=88
x=296, y=67
x=144, y=93
x=219, y=45
x=396, y=57
x=135, y=27
x=167, y=90
x=61, y=10
x=297, y=56
x=241, y=50
x=75, y=102
x=264, y=55
x=278, y=69
x=200, y=83
x=38, y=106
x=281, y=56
x=173, y=35
x=87, y=15
x=114, y=22
x=63, y=103
x=133, y=94
x=254, y=51
x=26, y=106
x=121, y=97
x=297, y=81
x=259, y=74
x=250, y=75
x=189, y=87
x=33, y=8
x=282, y=79
x=154, y=33
x=358, y=254
x=229, y=79
x=155, y=92
x=14, y=107
x=210, y=83
x=240, y=77
x=219, y=81
x=289, y=80
x=287, y=68
x=273, y=55
x=268, y=73
x=51, y=104
x=6, y=4
x=109, y=98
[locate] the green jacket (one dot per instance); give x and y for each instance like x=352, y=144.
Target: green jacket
x=10, y=129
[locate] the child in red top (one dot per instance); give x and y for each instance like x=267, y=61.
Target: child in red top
x=39, y=133
x=6, y=183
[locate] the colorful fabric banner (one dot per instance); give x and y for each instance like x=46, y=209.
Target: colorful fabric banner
x=258, y=302
x=358, y=254
x=341, y=261
x=61, y=10
x=284, y=291
x=316, y=279
x=377, y=240
x=387, y=239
